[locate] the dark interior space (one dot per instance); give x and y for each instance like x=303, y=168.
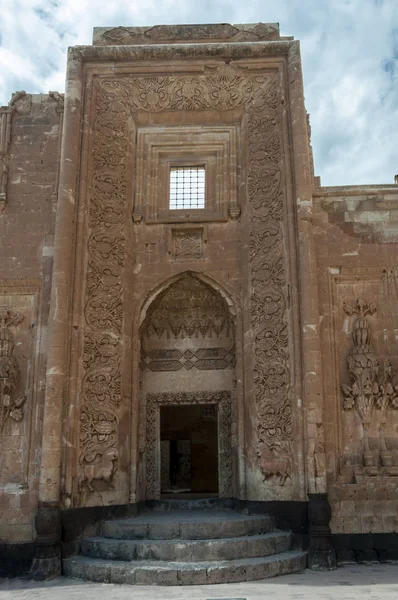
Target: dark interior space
x=189, y=449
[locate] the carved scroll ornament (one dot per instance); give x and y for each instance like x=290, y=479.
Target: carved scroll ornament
x=116, y=100
x=371, y=388
x=10, y=405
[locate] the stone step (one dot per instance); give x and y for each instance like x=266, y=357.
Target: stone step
x=195, y=525
x=171, y=504
x=187, y=550
x=184, y=573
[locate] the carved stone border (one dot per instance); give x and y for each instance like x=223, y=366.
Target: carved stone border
x=223, y=400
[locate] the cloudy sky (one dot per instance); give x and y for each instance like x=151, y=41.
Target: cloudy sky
x=349, y=51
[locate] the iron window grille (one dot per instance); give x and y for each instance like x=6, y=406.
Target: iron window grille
x=187, y=187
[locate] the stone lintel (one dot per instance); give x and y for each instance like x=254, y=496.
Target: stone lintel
x=177, y=34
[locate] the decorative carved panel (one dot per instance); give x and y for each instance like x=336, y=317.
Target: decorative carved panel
x=188, y=309
x=168, y=34
x=10, y=405
x=371, y=390
x=269, y=293
x=223, y=400
x=188, y=243
x=103, y=302
x=204, y=359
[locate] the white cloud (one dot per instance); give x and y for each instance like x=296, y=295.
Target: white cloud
x=349, y=50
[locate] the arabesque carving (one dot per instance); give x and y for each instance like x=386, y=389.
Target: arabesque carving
x=10, y=405
x=223, y=400
x=268, y=299
x=188, y=243
x=103, y=304
x=371, y=387
x=115, y=102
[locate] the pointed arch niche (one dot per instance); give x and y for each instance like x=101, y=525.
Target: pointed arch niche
x=187, y=364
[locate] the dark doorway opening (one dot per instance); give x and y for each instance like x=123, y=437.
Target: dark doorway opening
x=189, y=449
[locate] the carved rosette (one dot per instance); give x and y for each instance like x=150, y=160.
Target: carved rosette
x=116, y=100
x=10, y=406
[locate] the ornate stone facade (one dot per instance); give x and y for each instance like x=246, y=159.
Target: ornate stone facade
x=259, y=96
x=248, y=303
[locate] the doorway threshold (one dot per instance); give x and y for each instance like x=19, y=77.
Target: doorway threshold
x=187, y=496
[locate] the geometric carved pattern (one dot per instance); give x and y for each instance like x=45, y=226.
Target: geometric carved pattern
x=188, y=309
x=196, y=358
x=223, y=400
x=116, y=101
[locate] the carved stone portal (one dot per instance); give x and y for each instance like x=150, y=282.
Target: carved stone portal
x=10, y=406
x=116, y=102
x=223, y=400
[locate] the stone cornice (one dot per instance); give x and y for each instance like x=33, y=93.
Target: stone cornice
x=356, y=190
x=235, y=51
x=180, y=34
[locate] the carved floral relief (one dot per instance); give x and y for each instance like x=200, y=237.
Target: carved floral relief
x=11, y=406
x=103, y=304
x=371, y=390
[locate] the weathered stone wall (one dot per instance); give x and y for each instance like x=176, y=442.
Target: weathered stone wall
x=30, y=161
x=357, y=250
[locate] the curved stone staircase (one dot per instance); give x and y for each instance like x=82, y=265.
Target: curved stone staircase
x=186, y=547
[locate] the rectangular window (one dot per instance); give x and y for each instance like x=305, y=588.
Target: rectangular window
x=187, y=187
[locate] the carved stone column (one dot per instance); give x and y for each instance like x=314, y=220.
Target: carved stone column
x=47, y=562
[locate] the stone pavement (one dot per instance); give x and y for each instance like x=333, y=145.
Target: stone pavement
x=373, y=582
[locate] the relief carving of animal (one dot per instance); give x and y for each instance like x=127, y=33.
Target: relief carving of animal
x=275, y=462
x=101, y=471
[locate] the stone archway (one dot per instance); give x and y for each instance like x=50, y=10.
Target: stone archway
x=187, y=358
